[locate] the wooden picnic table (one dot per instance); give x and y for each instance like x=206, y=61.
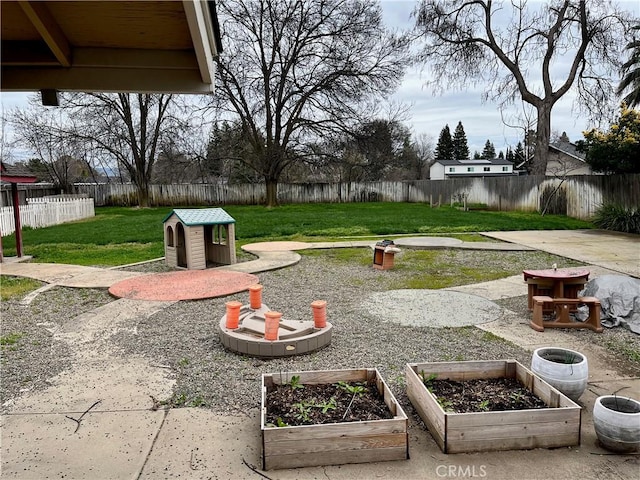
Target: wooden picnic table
x=555, y=282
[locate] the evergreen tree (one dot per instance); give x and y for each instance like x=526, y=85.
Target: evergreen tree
x=460, y=146
x=444, y=149
x=476, y=155
x=501, y=155
x=518, y=154
x=489, y=151
x=510, y=156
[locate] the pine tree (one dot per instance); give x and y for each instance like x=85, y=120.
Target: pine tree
x=460, y=146
x=489, y=151
x=444, y=149
x=501, y=155
x=510, y=156
x=476, y=155
x=518, y=154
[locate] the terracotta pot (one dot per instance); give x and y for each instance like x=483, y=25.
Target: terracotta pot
x=255, y=297
x=319, y=313
x=271, y=325
x=233, y=314
x=564, y=369
x=617, y=423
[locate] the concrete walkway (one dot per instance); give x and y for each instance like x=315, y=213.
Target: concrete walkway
x=619, y=252
x=124, y=437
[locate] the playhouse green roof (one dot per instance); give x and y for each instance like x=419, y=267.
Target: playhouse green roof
x=201, y=216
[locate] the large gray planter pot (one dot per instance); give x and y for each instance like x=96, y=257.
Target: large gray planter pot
x=567, y=370
x=617, y=423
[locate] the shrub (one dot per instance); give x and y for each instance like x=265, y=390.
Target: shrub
x=617, y=218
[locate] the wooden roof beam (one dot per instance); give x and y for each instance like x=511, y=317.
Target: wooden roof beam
x=202, y=35
x=45, y=24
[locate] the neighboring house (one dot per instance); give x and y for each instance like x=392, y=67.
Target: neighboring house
x=564, y=159
x=497, y=167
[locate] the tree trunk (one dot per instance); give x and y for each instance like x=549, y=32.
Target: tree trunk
x=543, y=134
x=272, y=192
x=143, y=194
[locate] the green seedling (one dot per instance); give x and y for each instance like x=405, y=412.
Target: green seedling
x=326, y=406
x=279, y=423
x=294, y=383
x=303, y=411
x=353, y=389
x=427, y=380
x=517, y=397
x=484, y=405
x=446, y=405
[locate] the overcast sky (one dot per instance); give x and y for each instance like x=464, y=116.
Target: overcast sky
x=481, y=121
x=429, y=113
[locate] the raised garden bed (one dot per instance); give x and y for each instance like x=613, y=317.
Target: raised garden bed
x=347, y=440
x=556, y=425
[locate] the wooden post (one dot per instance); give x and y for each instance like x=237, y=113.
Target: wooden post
x=16, y=218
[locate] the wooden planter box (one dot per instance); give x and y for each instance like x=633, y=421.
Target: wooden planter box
x=556, y=426
x=334, y=443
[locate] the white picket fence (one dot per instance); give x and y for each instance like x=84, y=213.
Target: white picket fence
x=47, y=211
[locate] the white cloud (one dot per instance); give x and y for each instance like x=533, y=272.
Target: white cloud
x=429, y=112
x=482, y=121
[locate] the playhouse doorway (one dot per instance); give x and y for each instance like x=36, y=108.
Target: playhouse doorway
x=181, y=246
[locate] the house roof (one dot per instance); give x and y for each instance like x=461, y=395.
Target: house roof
x=567, y=148
x=159, y=46
x=201, y=216
x=16, y=174
x=475, y=162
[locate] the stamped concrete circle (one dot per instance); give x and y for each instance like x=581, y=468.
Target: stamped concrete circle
x=428, y=242
x=432, y=308
x=275, y=246
x=183, y=285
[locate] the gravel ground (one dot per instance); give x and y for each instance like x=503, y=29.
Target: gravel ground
x=35, y=356
x=184, y=336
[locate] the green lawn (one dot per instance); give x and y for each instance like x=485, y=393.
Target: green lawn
x=118, y=235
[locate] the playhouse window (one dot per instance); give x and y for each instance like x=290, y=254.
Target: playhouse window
x=170, y=241
x=219, y=235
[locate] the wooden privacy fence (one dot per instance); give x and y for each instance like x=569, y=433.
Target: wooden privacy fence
x=47, y=211
x=575, y=196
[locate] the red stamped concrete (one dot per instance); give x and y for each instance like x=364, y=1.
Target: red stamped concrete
x=183, y=285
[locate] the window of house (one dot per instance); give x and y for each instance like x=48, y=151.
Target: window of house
x=505, y=169
x=487, y=169
x=452, y=169
x=469, y=169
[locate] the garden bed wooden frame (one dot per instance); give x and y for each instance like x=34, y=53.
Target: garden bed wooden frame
x=556, y=426
x=333, y=443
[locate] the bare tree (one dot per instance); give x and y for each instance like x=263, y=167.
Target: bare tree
x=525, y=120
x=295, y=71
x=128, y=127
x=535, y=54
x=424, y=147
x=42, y=131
